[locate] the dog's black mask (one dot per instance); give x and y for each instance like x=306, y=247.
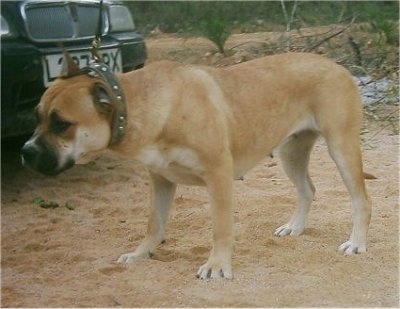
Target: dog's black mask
x=39, y=156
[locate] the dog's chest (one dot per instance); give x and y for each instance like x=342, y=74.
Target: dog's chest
x=177, y=164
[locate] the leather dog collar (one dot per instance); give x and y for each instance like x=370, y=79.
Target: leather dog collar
x=118, y=126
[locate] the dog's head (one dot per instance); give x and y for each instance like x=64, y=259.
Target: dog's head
x=74, y=119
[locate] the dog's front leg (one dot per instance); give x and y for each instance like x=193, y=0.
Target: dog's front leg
x=220, y=190
x=163, y=193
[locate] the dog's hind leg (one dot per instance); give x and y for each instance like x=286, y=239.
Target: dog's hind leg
x=345, y=151
x=163, y=193
x=295, y=156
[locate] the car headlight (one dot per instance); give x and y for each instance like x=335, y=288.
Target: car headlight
x=120, y=19
x=6, y=30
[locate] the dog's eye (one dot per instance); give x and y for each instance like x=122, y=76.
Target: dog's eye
x=59, y=125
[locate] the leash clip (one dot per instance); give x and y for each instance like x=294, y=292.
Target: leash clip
x=97, y=39
x=95, y=49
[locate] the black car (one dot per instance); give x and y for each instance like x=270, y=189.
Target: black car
x=31, y=55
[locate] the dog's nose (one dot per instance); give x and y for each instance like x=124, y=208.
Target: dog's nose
x=28, y=154
x=31, y=156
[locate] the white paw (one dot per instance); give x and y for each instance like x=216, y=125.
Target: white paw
x=288, y=229
x=132, y=257
x=348, y=248
x=215, y=270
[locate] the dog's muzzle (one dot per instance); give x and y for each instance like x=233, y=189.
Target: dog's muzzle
x=37, y=155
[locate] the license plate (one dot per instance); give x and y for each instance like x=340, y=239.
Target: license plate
x=52, y=64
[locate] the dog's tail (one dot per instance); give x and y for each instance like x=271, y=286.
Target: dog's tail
x=369, y=176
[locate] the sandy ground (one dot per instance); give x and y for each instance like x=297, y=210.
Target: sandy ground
x=66, y=256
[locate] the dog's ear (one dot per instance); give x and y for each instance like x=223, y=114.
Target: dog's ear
x=69, y=67
x=102, y=99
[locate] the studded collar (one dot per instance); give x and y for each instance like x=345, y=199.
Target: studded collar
x=119, y=122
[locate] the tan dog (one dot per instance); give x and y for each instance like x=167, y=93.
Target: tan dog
x=205, y=126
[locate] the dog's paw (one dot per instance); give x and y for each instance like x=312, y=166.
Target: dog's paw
x=132, y=257
x=288, y=229
x=349, y=248
x=215, y=271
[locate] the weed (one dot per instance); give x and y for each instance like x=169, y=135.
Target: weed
x=217, y=31
x=51, y=204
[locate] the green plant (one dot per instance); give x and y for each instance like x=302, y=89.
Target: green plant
x=51, y=204
x=386, y=28
x=217, y=31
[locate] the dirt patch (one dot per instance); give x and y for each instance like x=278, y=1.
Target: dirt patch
x=66, y=256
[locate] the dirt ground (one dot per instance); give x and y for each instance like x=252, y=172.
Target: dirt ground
x=66, y=256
